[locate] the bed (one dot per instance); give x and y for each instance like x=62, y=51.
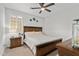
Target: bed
x=39, y=43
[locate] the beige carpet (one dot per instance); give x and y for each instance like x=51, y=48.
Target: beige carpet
x=23, y=51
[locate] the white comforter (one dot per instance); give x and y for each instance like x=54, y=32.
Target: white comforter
x=32, y=40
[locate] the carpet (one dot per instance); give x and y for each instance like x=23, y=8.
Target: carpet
x=23, y=51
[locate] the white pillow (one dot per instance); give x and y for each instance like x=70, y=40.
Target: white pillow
x=32, y=33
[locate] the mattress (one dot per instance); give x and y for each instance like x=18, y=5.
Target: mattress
x=34, y=39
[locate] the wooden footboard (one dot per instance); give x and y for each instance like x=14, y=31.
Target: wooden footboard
x=45, y=48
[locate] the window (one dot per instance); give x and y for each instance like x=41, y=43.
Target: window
x=16, y=25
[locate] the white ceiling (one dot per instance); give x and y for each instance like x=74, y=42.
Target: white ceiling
x=25, y=7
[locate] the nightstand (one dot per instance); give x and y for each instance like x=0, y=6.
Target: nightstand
x=15, y=42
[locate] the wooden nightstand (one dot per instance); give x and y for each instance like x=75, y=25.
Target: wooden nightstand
x=15, y=42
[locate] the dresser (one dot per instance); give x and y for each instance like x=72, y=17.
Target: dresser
x=15, y=42
x=66, y=49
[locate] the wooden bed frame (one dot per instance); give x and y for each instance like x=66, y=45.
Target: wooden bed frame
x=45, y=48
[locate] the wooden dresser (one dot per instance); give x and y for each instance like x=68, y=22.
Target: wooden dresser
x=15, y=42
x=66, y=49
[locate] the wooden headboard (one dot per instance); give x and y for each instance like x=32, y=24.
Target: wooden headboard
x=32, y=29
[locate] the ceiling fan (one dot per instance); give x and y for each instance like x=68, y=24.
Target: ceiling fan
x=43, y=7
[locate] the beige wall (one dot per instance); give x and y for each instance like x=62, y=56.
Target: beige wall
x=60, y=23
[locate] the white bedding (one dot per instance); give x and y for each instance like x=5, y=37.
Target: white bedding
x=34, y=39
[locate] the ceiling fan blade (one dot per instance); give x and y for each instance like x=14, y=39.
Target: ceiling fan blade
x=48, y=10
x=40, y=11
x=41, y=4
x=36, y=8
x=49, y=4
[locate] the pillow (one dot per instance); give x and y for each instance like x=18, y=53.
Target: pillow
x=32, y=33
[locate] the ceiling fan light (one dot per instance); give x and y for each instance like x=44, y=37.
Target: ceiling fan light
x=42, y=9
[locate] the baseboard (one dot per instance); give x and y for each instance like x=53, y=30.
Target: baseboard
x=1, y=50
